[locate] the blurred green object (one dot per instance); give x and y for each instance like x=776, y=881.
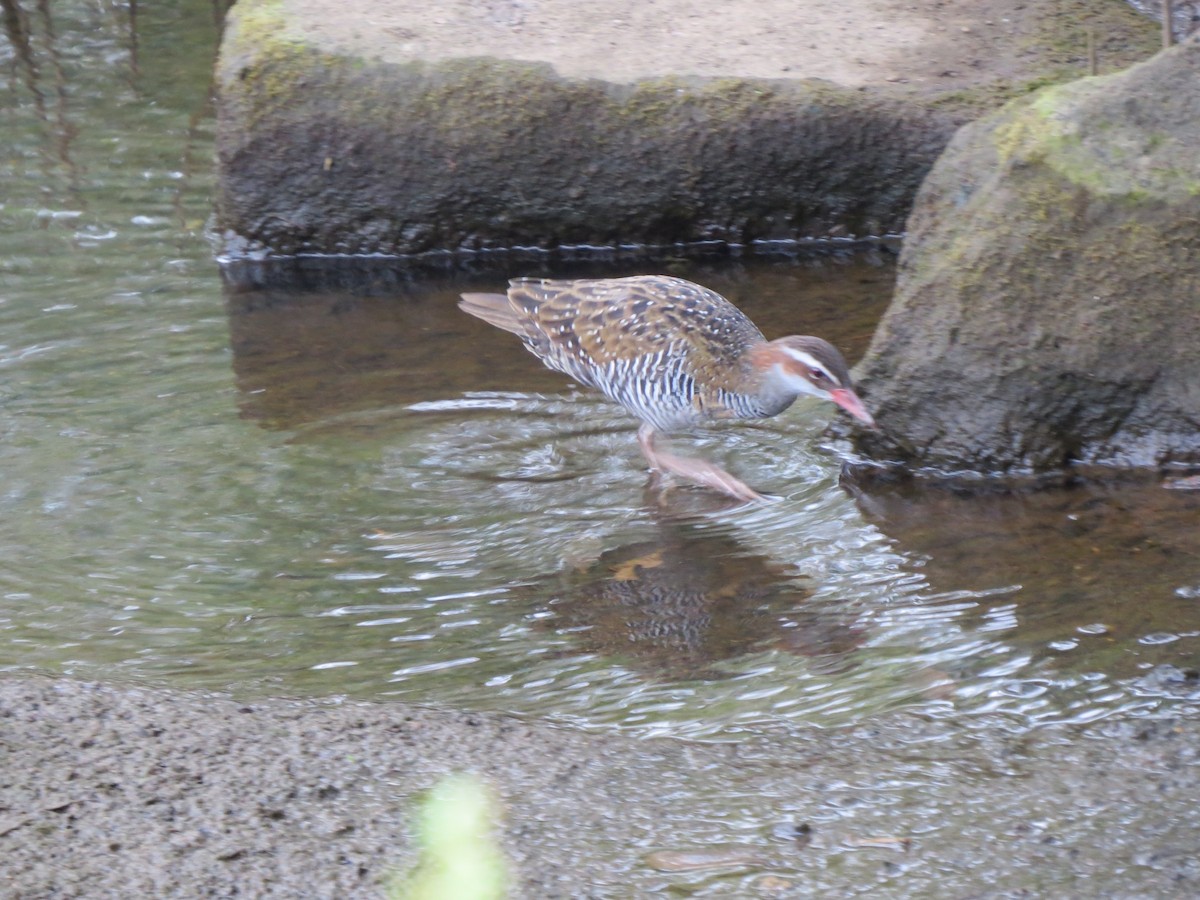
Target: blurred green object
x=460, y=858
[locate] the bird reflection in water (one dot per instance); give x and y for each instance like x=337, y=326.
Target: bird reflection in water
x=676, y=606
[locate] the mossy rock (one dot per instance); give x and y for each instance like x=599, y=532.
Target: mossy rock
x=326, y=153
x=1047, y=310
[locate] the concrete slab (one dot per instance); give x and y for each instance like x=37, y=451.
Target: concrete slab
x=362, y=127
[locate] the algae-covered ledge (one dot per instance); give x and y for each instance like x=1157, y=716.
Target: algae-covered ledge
x=398, y=127
x=326, y=153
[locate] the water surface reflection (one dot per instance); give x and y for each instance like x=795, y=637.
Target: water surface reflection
x=344, y=489
x=1088, y=576
x=676, y=606
x=528, y=563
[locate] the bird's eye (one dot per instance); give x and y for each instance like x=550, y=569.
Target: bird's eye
x=816, y=374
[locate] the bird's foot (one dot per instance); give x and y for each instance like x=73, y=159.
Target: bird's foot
x=697, y=471
x=706, y=474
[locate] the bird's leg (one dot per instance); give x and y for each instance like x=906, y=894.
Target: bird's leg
x=697, y=471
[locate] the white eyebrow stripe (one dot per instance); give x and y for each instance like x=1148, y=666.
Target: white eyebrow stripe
x=806, y=359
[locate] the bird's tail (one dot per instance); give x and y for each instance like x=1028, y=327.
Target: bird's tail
x=493, y=309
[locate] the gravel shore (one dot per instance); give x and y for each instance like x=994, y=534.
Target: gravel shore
x=119, y=791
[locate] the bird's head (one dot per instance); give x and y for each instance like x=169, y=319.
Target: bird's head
x=810, y=365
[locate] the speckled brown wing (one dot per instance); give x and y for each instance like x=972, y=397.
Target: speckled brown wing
x=588, y=327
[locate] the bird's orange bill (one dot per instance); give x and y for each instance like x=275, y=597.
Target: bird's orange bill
x=848, y=400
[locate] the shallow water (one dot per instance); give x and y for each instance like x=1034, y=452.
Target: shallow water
x=326, y=492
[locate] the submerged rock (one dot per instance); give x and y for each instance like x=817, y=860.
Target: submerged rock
x=1047, y=310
